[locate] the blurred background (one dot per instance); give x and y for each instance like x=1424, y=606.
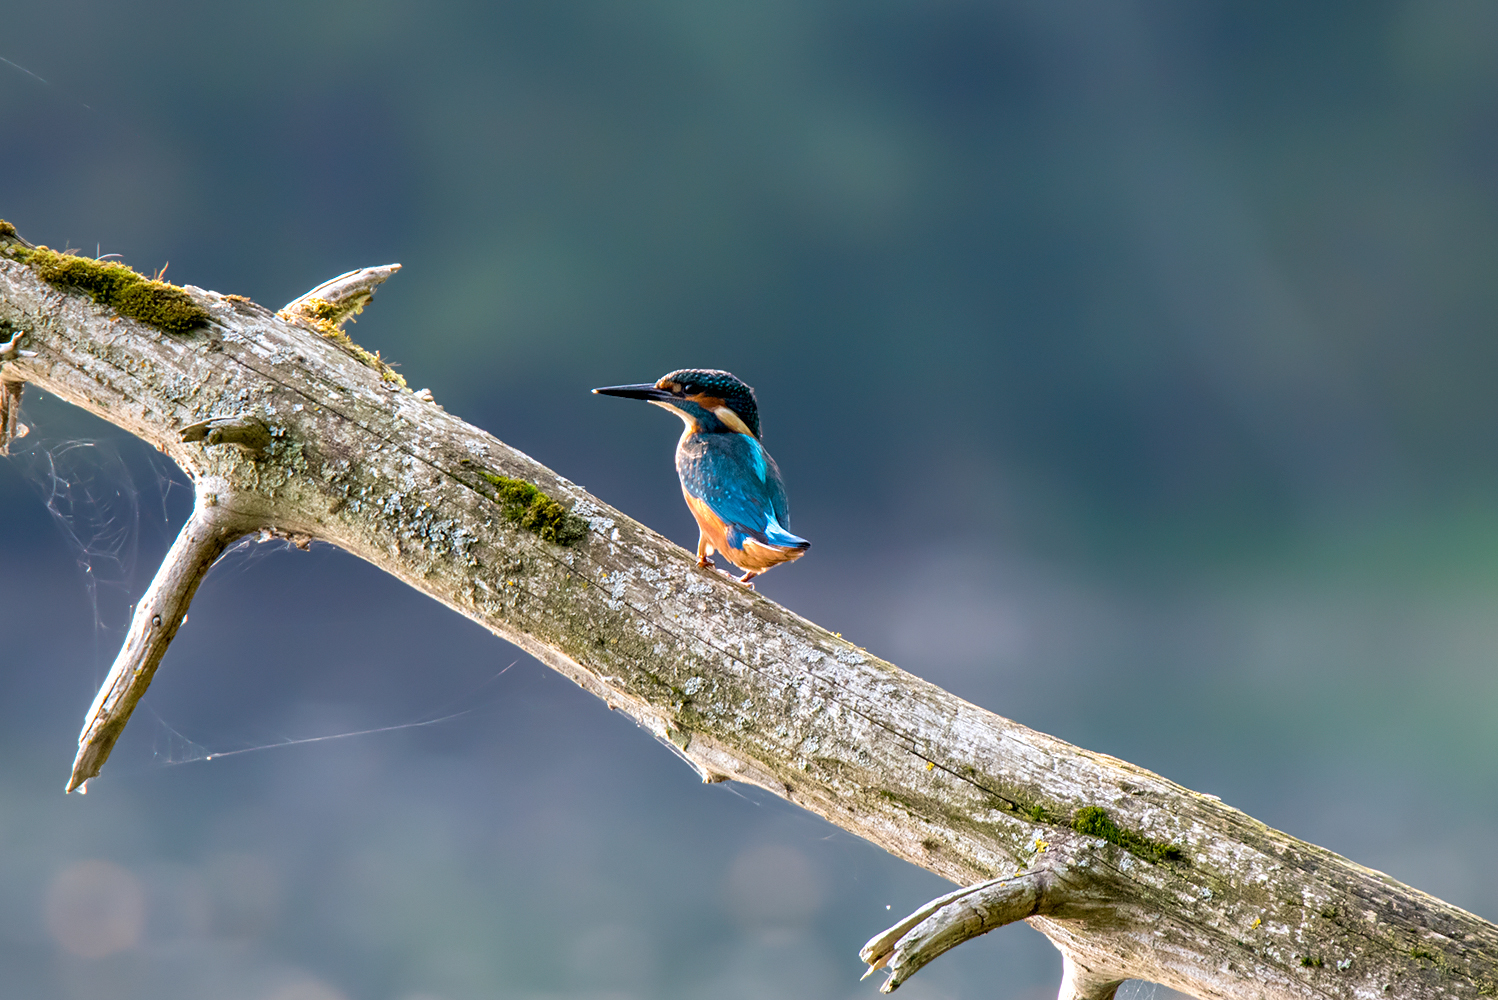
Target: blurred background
x=1130, y=366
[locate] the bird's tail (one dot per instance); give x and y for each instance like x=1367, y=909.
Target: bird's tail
x=774, y=534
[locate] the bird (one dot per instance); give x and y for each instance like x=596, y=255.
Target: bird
x=731, y=484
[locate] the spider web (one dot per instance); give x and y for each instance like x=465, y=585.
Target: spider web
x=105, y=503
x=171, y=748
x=109, y=495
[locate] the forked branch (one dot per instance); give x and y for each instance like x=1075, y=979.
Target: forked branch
x=296, y=430
x=221, y=515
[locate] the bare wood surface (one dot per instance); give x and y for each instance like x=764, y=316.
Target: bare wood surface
x=11, y=391
x=947, y=921
x=341, y=298
x=161, y=612
x=1130, y=875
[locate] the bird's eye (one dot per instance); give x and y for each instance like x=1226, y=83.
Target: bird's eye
x=689, y=390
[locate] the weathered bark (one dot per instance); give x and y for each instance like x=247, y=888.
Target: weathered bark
x=1130, y=875
x=208, y=533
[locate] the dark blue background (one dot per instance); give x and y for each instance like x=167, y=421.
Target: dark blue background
x=1130, y=365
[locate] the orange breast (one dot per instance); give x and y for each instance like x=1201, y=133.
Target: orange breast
x=754, y=556
x=711, y=524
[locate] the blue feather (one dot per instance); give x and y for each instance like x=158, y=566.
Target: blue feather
x=776, y=535
x=739, y=481
x=757, y=456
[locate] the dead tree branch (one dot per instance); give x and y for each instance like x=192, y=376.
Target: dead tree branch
x=208, y=532
x=285, y=428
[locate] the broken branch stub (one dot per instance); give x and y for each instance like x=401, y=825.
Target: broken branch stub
x=11, y=390
x=1130, y=875
x=210, y=530
x=244, y=430
x=340, y=299
x=949, y=920
x=11, y=427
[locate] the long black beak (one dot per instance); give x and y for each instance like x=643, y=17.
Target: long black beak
x=645, y=390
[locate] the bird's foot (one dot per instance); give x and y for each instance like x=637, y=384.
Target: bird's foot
x=703, y=562
x=746, y=578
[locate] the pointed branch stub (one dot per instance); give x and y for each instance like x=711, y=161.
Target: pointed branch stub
x=331, y=304
x=208, y=532
x=949, y=920
x=340, y=299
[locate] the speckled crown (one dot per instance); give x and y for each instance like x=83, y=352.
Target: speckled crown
x=735, y=394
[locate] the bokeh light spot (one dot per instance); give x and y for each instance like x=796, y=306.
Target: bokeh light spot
x=95, y=908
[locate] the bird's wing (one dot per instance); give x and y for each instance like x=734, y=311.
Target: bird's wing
x=776, y=488
x=734, y=476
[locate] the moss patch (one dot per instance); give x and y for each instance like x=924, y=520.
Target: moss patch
x=108, y=283
x=1092, y=821
x=1422, y=954
x=525, y=505
x=324, y=311
x=327, y=319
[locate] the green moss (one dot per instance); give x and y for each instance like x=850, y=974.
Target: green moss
x=1420, y=953
x=677, y=693
x=1092, y=821
x=326, y=312
x=326, y=317
x=8, y=231
x=111, y=284
x=1311, y=961
x=524, y=504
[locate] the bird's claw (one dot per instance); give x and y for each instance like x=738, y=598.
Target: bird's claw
x=708, y=564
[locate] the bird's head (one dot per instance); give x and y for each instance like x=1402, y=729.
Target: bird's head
x=704, y=397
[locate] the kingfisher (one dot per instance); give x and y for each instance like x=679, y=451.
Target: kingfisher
x=730, y=482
